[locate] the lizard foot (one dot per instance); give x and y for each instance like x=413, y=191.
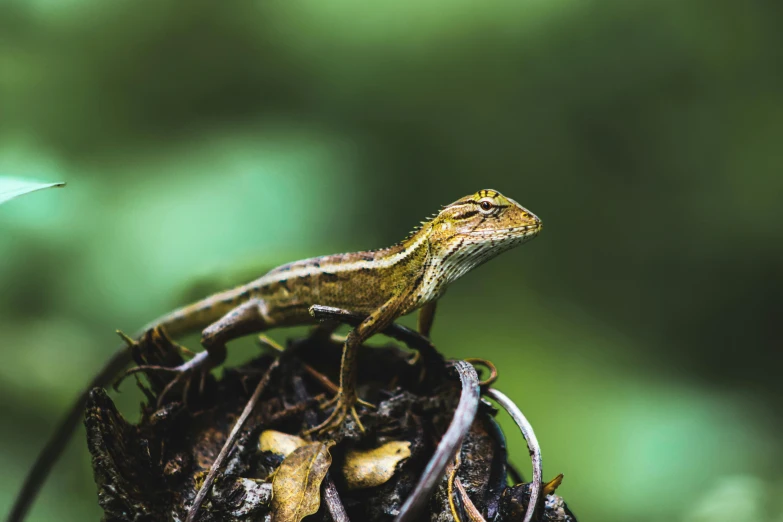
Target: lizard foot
x=331, y=402
x=343, y=405
x=198, y=366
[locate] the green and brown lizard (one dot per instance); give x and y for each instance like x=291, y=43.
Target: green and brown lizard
x=384, y=284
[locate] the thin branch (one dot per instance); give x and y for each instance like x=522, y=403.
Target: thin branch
x=333, y=502
x=532, y=446
x=467, y=505
x=251, y=404
x=315, y=374
x=449, y=444
x=474, y=515
x=331, y=495
x=451, y=470
x=405, y=335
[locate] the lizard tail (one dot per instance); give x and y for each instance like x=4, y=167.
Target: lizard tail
x=179, y=322
x=200, y=314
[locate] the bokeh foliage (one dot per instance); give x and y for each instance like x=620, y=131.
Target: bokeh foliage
x=640, y=331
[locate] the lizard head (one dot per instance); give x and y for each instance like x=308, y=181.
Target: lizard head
x=478, y=227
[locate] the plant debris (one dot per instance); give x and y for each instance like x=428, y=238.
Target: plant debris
x=297, y=482
x=395, y=470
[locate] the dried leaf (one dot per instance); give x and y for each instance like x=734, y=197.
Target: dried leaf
x=13, y=187
x=279, y=443
x=370, y=468
x=297, y=483
x=550, y=487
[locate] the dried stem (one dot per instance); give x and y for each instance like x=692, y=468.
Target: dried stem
x=532, y=445
x=410, y=338
x=449, y=444
x=470, y=508
x=333, y=502
x=216, y=465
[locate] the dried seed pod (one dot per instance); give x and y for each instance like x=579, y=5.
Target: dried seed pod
x=371, y=468
x=279, y=443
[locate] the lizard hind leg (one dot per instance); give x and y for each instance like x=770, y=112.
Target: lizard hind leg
x=245, y=319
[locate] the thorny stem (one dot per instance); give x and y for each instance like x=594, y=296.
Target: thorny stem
x=449, y=444
x=532, y=445
x=251, y=404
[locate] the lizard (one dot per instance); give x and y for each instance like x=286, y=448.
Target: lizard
x=384, y=284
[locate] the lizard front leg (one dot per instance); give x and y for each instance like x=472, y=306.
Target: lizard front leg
x=424, y=326
x=346, y=397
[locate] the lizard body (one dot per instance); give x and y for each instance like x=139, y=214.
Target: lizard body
x=384, y=284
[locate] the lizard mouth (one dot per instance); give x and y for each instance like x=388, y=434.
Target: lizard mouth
x=525, y=230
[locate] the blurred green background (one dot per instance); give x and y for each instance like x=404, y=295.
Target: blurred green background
x=640, y=332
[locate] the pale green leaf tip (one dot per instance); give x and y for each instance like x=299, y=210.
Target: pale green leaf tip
x=11, y=188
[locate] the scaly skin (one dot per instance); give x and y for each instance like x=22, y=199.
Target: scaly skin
x=385, y=284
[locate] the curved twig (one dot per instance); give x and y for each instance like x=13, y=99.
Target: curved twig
x=56, y=444
x=532, y=446
x=493, y=370
x=216, y=465
x=449, y=444
x=405, y=335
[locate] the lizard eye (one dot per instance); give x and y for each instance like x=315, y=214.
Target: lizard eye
x=485, y=205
